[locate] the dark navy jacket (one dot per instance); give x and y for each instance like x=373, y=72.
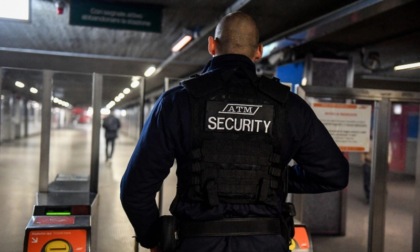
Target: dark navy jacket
x=167, y=136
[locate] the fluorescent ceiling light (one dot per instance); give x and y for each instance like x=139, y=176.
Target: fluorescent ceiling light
x=135, y=83
x=105, y=111
x=151, y=70
x=110, y=105
x=407, y=66
x=60, y=102
x=33, y=90
x=182, y=42
x=397, y=109
x=126, y=90
x=119, y=97
x=14, y=9
x=19, y=84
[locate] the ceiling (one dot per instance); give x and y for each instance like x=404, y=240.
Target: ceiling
x=374, y=34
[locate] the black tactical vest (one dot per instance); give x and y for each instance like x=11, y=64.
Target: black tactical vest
x=237, y=123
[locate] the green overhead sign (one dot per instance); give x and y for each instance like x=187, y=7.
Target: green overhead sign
x=141, y=17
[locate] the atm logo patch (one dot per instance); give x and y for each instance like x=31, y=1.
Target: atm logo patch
x=240, y=109
x=237, y=117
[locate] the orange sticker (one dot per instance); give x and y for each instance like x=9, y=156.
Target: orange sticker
x=301, y=238
x=352, y=148
x=66, y=240
x=335, y=105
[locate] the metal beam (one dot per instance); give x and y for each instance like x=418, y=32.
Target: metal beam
x=45, y=131
x=1, y=103
x=97, y=80
x=72, y=62
x=416, y=200
x=1, y=78
x=361, y=93
x=376, y=230
x=142, y=88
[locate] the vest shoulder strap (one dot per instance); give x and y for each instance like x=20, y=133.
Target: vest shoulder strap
x=204, y=84
x=201, y=85
x=274, y=89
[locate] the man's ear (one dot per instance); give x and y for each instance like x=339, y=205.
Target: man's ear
x=258, y=53
x=211, y=47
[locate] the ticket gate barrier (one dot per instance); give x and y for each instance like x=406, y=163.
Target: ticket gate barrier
x=64, y=225
x=65, y=213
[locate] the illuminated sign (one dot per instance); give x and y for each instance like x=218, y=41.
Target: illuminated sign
x=142, y=17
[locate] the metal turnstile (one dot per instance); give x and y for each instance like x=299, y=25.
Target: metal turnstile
x=65, y=213
x=62, y=222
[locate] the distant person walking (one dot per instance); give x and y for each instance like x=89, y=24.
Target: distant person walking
x=111, y=125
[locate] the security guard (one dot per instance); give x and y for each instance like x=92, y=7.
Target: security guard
x=233, y=135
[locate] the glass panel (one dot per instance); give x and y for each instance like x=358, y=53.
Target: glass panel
x=402, y=161
x=69, y=148
x=19, y=151
x=71, y=130
x=400, y=185
x=20, y=101
x=351, y=127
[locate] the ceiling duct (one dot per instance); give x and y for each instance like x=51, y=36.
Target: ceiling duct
x=327, y=24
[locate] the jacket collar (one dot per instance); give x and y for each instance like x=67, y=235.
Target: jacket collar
x=230, y=61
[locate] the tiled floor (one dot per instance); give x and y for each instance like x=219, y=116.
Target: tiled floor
x=70, y=153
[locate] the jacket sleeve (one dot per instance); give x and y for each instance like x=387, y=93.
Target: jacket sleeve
x=149, y=165
x=321, y=165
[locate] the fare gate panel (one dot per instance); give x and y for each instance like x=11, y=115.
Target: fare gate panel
x=60, y=226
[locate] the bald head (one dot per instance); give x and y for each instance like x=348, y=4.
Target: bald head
x=236, y=33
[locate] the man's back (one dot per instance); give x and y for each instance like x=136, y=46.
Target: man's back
x=176, y=129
